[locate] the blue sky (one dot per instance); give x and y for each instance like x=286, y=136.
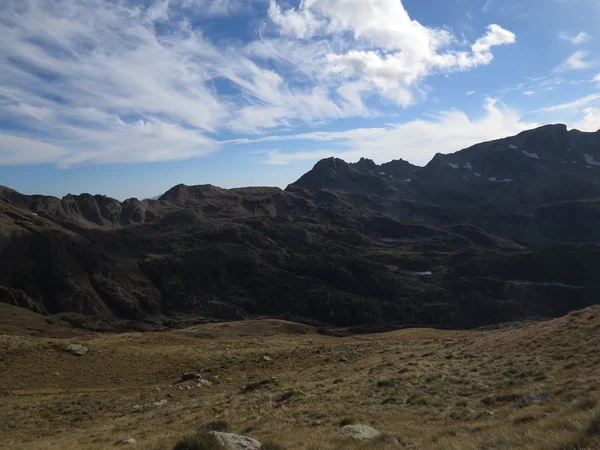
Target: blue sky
x=130, y=97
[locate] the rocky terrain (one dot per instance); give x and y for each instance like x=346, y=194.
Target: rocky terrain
x=501, y=231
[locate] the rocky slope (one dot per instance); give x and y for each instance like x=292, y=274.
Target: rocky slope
x=497, y=232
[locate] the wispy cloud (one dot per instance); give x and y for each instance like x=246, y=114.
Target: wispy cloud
x=416, y=141
x=575, y=104
x=577, y=61
x=576, y=39
x=528, y=93
x=91, y=81
x=487, y=6
x=469, y=93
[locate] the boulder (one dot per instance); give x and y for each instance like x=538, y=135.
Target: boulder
x=231, y=441
x=203, y=383
x=128, y=442
x=360, y=432
x=77, y=349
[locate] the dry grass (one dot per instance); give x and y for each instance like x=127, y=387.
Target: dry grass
x=424, y=387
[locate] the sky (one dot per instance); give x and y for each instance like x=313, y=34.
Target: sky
x=128, y=98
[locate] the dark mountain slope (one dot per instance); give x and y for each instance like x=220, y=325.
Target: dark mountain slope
x=501, y=231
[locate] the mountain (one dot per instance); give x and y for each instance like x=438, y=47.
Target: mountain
x=501, y=231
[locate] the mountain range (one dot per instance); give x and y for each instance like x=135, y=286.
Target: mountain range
x=501, y=231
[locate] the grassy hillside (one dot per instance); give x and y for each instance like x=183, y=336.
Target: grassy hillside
x=424, y=387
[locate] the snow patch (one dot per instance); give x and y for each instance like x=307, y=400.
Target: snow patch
x=454, y=166
x=477, y=174
x=419, y=274
x=590, y=160
x=382, y=173
x=531, y=155
x=574, y=162
x=514, y=147
x=408, y=181
x=495, y=180
x=468, y=166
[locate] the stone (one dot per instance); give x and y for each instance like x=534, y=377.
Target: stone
x=77, y=349
x=531, y=399
x=485, y=415
x=128, y=442
x=204, y=383
x=360, y=432
x=162, y=402
x=190, y=376
x=231, y=441
x=267, y=358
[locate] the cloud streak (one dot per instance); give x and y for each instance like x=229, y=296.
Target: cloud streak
x=90, y=81
x=416, y=141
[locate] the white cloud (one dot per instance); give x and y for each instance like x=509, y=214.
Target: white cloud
x=577, y=61
x=528, y=93
x=577, y=39
x=596, y=78
x=575, y=104
x=90, y=81
x=15, y=150
x=416, y=141
x=469, y=93
x=590, y=121
x=299, y=23
x=496, y=35
x=392, y=53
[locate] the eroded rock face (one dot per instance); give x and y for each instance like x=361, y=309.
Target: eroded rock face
x=231, y=441
x=360, y=432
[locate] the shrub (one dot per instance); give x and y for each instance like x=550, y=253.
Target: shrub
x=270, y=446
x=198, y=441
x=346, y=421
x=217, y=425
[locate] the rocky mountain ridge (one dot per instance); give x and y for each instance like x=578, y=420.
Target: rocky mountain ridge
x=501, y=231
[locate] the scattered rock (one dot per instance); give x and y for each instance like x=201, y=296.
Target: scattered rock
x=77, y=349
x=538, y=397
x=267, y=358
x=128, y=442
x=485, y=415
x=204, y=383
x=360, y=432
x=344, y=359
x=190, y=376
x=235, y=442
x=162, y=402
